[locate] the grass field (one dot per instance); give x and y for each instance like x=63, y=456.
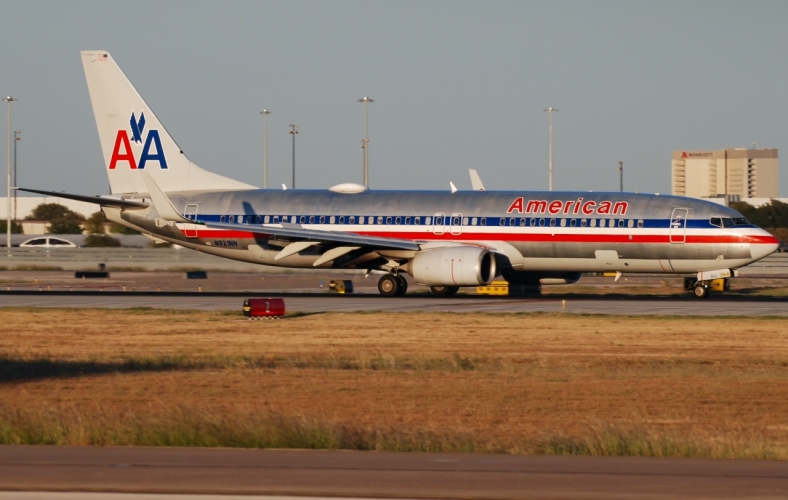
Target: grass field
x=531, y=383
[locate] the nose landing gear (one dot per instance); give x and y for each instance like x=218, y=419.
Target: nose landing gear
x=702, y=290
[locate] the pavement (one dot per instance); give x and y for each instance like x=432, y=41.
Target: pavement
x=324, y=302
x=310, y=473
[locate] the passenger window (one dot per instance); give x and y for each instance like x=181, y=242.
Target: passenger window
x=56, y=241
x=483, y=221
x=388, y=220
x=593, y=222
x=464, y=221
x=640, y=223
x=620, y=222
x=511, y=222
x=303, y=219
x=417, y=220
x=222, y=219
x=533, y=222
x=398, y=220
x=473, y=221
x=503, y=222
x=522, y=222
x=352, y=219
x=630, y=223
x=266, y=219
x=541, y=222
x=563, y=222
x=332, y=220
x=601, y=222
x=380, y=220
x=427, y=220
x=552, y=222
x=322, y=219
x=573, y=222
x=584, y=222
x=407, y=220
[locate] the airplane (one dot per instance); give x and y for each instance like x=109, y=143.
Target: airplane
x=442, y=239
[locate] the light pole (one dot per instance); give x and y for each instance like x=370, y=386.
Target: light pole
x=9, y=100
x=293, y=132
x=17, y=138
x=550, y=111
x=621, y=174
x=265, y=114
x=365, y=141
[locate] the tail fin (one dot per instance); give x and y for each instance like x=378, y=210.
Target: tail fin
x=133, y=139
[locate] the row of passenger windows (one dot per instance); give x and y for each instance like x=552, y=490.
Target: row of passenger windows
x=417, y=220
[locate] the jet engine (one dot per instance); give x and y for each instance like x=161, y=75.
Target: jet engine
x=453, y=266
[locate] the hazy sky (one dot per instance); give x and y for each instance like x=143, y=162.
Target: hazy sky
x=456, y=85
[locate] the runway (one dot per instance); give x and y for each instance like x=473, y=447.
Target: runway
x=295, y=302
x=388, y=475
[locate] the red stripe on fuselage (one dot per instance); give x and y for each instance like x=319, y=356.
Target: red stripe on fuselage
x=523, y=237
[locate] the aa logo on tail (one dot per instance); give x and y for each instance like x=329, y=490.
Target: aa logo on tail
x=122, y=151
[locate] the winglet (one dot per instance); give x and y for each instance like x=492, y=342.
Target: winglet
x=163, y=204
x=476, y=181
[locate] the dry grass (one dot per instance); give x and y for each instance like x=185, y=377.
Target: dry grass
x=536, y=383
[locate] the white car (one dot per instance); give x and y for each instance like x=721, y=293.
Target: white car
x=47, y=242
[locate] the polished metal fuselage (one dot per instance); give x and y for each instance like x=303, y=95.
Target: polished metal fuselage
x=650, y=233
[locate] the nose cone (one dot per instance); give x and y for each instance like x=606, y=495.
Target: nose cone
x=762, y=245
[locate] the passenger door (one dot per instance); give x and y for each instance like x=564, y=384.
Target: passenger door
x=456, y=224
x=190, y=230
x=678, y=225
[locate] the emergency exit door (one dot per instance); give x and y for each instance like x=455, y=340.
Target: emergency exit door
x=678, y=225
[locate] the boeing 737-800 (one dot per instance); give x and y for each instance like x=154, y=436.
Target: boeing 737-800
x=444, y=240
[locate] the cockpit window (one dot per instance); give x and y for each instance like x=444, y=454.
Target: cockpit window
x=728, y=221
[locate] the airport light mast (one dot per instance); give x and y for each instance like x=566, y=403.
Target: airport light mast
x=621, y=174
x=365, y=140
x=9, y=100
x=293, y=132
x=550, y=111
x=265, y=114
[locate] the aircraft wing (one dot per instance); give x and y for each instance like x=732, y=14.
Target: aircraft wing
x=100, y=200
x=302, y=234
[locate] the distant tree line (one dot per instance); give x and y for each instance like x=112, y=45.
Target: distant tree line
x=772, y=216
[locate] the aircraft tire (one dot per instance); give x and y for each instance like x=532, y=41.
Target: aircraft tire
x=389, y=285
x=403, y=284
x=701, y=291
x=444, y=291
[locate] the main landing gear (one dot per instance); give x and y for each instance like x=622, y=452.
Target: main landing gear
x=444, y=291
x=392, y=286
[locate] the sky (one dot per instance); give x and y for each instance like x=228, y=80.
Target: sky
x=456, y=85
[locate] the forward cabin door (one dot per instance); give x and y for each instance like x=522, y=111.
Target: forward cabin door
x=678, y=225
x=190, y=230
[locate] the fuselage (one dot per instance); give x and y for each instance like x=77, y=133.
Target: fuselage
x=528, y=231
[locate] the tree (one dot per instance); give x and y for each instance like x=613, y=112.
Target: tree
x=770, y=215
x=101, y=240
x=95, y=223
x=116, y=228
x=15, y=228
x=61, y=219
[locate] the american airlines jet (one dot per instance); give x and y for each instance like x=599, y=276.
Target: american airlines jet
x=444, y=240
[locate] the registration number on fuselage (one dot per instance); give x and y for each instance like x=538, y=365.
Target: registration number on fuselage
x=225, y=243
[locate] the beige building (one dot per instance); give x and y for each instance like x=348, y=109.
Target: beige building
x=740, y=172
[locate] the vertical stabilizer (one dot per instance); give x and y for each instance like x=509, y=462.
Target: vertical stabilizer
x=134, y=141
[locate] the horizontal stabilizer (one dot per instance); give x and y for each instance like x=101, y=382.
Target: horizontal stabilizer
x=100, y=200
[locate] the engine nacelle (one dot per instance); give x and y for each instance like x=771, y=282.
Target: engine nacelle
x=453, y=266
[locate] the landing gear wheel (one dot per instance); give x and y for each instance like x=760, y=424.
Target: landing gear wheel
x=701, y=291
x=444, y=291
x=389, y=285
x=403, y=285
